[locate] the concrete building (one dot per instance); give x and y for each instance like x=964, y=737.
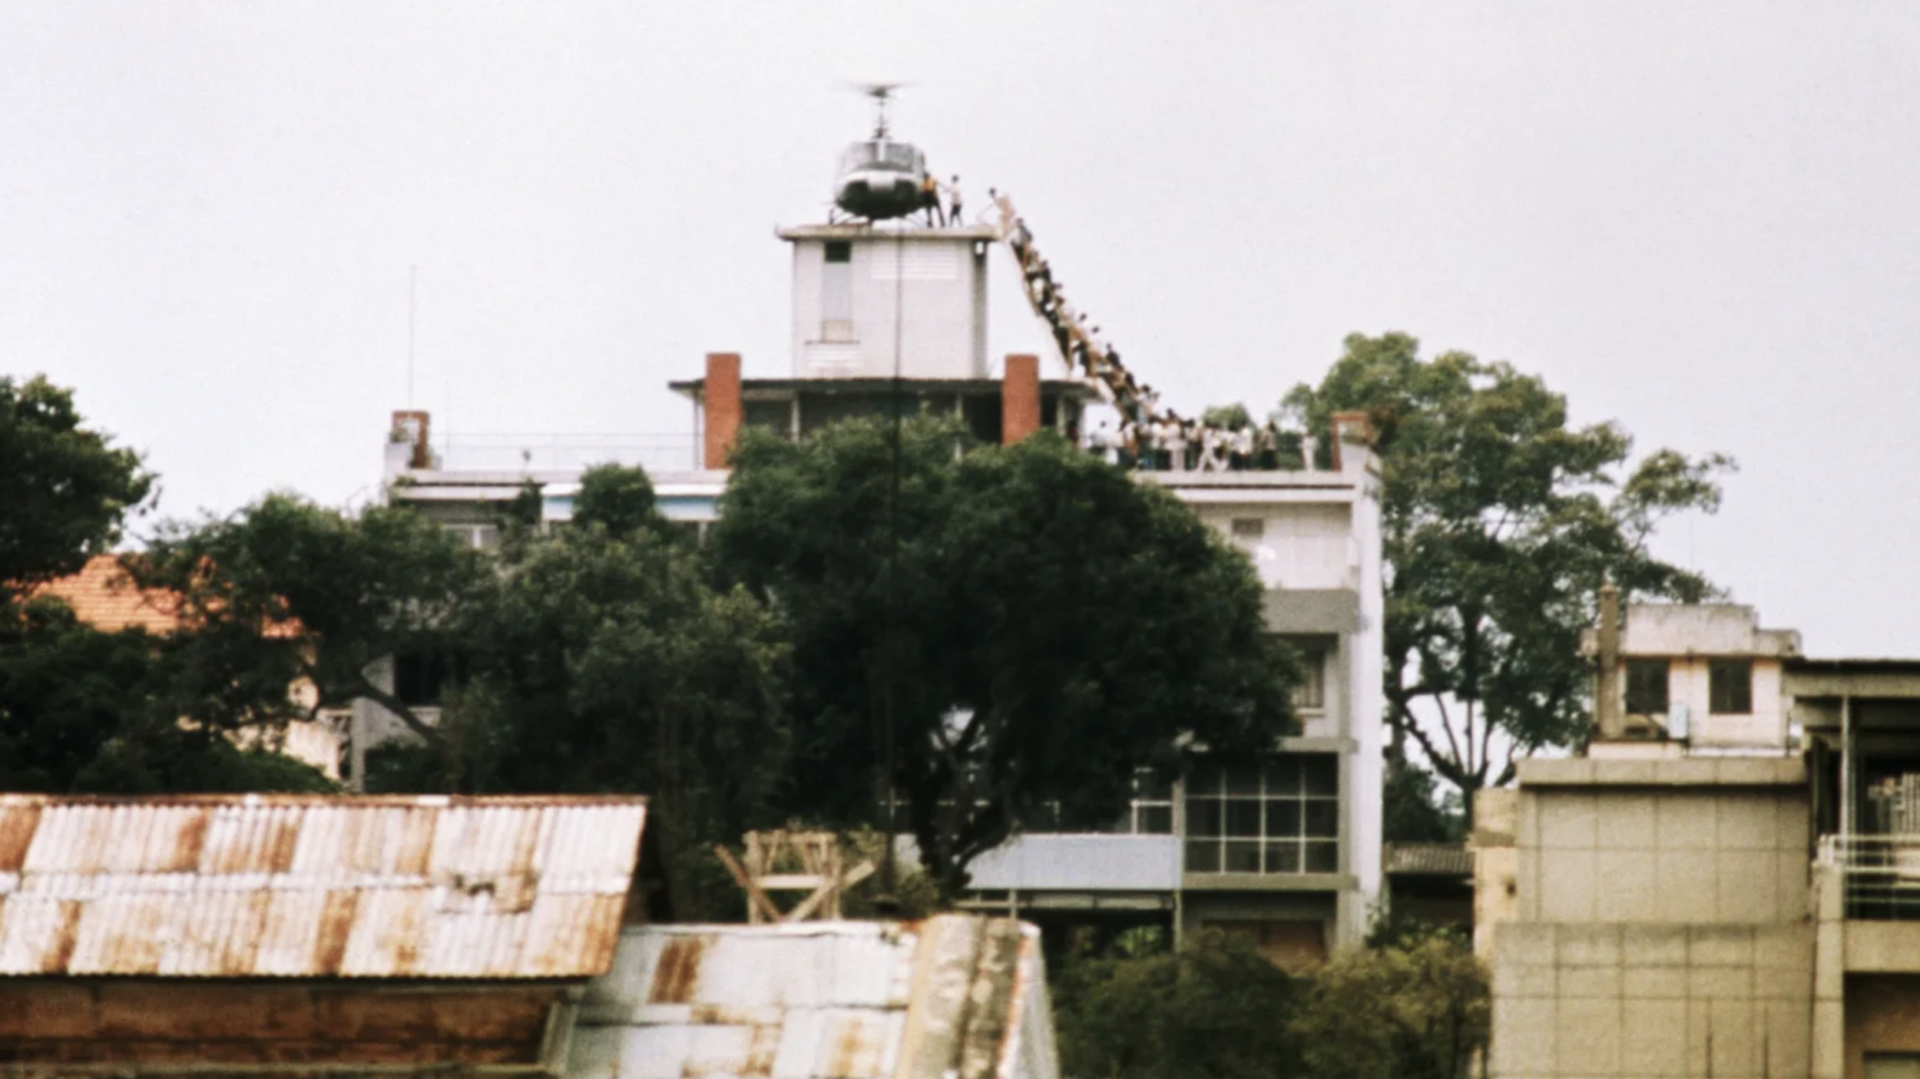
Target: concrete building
x=1725, y=885
x=1287, y=851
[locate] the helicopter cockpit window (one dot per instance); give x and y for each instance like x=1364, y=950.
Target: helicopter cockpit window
x=859, y=156
x=902, y=156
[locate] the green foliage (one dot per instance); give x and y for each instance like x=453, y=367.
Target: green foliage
x=1216, y=1009
x=1415, y=1006
x=286, y=589
x=83, y=711
x=1414, y=812
x=64, y=489
x=1046, y=627
x=617, y=499
x=1500, y=520
x=1227, y=416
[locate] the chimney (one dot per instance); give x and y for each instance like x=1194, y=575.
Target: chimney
x=410, y=429
x=720, y=400
x=1019, y=398
x=1352, y=441
x=1607, y=717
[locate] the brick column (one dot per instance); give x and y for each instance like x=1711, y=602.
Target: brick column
x=414, y=425
x=1353, y=434
x=1019, y=399
x=720, y=399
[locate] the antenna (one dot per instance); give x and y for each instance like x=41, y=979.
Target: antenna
x=412, y=278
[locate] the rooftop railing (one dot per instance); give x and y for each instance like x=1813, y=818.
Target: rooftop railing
x=1880, y=874
x=567, y=452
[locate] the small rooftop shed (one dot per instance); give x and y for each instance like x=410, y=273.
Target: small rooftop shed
x=280, y=933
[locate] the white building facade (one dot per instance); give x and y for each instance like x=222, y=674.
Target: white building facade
x=1287, y=850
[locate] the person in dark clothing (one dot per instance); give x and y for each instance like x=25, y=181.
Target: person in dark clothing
x=953, y=210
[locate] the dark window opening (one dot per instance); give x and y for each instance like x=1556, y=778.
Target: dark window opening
x=839, y=251
x=423, y=679
x=1647, y=687
x=1730, y=687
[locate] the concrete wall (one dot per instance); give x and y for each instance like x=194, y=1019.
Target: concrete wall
x=1644, y=1000
x=1661, y=923
x=941, y=298
x=1676, y=856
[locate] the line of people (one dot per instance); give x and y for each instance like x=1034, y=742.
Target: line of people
x=1148, y=437
x=1080, y=342
x=1173, y=444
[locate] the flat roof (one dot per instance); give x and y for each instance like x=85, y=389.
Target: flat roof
x=1072, y=388
x=866, y=230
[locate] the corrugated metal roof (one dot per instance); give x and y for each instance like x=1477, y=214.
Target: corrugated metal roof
x=952, y=997
x=1430, y=859
x=315, y=886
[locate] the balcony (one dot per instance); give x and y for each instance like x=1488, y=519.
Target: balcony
x=1879, y=875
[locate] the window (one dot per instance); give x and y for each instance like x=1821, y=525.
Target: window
x=1280, y=817
x=836, y=293
x=1310, y=693
x=1730, y=687
x=1151, y=810
x=1249, y=529
x=423, y=678
x=1646, y=687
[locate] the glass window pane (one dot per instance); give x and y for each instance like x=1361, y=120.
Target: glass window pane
x=1283, y=776
x=1323, y=819
x=1156, y=820
x=1283, y=857
x=1321, y=775
x=1243, y=781
x=1243, y=857
x=1646, y=687
x=1730, y=687
x=1243, y=818
x=1203, y=816
x=1203, y=857
x=1283, y=819
x=1323, y=857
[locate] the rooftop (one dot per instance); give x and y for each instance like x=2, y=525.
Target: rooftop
x=952, y=997
x=315, y=886
x=104, y=596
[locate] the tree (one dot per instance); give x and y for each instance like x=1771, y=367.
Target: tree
x=286, y=591
x=1018, y=632
x=598, y=659
x=1500, y=520
x=83, y=711
x=65, y=488
x=1413, y=1006
x=1216, y=1009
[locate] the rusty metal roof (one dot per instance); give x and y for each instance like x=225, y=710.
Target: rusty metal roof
x=952, y=997
x=315, y=885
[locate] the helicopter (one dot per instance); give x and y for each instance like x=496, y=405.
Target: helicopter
x=880, y=178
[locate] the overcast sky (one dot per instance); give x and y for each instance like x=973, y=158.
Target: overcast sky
x=1700, y=220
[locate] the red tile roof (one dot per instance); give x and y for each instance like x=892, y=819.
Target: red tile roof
x=104, y=596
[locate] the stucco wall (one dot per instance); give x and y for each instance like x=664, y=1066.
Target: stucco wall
x=1673, y=856
x=1606, y=1000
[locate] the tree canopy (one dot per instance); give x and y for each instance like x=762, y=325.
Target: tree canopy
x=81, y=709
x=1501, y=519
x=1038, y=625
x=65, y=488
